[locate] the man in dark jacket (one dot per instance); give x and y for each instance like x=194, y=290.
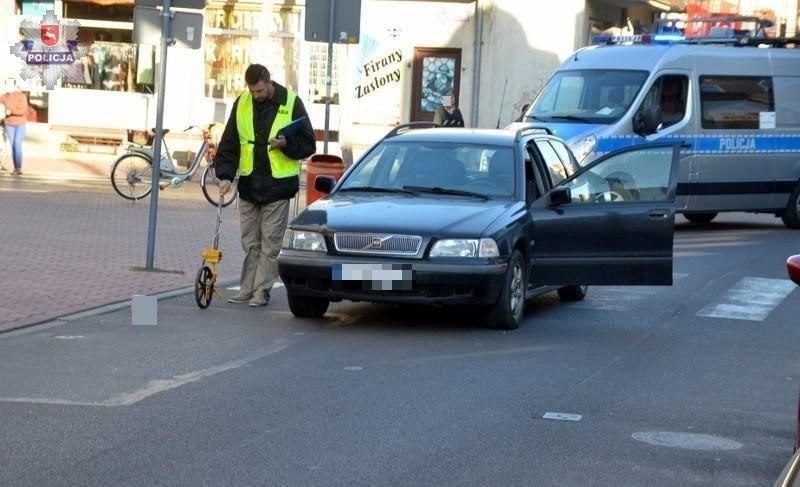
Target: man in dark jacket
x=263, y=144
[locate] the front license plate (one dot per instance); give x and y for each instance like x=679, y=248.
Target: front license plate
x=375, y=277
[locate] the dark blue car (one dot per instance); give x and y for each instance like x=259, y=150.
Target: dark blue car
x=484, y=218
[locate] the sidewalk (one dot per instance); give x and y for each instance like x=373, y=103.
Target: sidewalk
x=70, y=243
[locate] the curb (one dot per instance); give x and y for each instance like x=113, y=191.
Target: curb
x=100, y=310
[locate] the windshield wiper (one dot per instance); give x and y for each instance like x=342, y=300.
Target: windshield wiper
x=377, y=189
x=440, y=190
x=572, y=117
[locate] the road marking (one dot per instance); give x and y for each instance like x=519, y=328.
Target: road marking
x=68, y=337
x=352, y=368
x=686, y=441
x=156, y=386
x=752, y=298
x=160, y=385
x=562, y=416
x=614, y=298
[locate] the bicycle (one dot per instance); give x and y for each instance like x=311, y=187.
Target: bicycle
x=5, y=149
x=133, y=170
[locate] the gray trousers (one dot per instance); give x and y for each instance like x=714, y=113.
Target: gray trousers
x=262, y=228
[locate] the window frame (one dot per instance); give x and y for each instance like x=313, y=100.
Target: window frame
x=709, y=123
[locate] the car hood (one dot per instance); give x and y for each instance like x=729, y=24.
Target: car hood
x=409, y=215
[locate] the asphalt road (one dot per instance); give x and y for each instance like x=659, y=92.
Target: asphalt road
x=693, y=384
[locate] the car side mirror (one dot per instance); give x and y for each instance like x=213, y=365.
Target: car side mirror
x=647, y=120
x=324, y=184
x=560, y=195
x=793, y=267
x=522, y=112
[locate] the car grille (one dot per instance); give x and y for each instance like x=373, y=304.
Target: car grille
x=377, y=244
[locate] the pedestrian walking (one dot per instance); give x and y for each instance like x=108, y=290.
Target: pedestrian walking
x=15, y=108
x=448, y=114
x=267, y=134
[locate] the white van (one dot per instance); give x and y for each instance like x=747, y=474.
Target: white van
x=736, y=104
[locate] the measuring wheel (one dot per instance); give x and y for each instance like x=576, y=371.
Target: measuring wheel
x=207, y=275
x=204, y=287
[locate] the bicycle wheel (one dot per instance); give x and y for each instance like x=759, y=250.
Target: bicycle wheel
x=210, y=186
x=132, y=176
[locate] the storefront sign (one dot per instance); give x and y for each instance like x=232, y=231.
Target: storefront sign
x=380, y=72
x=231, y=19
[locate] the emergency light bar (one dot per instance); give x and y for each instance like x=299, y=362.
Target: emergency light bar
x=638, y=39
x=697, y=30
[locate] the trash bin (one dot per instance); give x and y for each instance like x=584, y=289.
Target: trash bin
x=321, y=165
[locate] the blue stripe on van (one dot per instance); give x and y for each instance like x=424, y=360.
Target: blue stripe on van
x=714, y=143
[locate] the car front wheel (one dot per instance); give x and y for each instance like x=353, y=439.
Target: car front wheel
x=507, y=312
x=307, y=306
x=572, y=293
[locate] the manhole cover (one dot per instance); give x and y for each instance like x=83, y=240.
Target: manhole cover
x=687, y=441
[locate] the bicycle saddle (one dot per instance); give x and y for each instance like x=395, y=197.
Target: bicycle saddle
x=165, y=131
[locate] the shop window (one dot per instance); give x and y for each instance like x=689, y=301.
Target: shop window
x=231, y=36
x=735, y=102
x=112, y=62
x=319, y=73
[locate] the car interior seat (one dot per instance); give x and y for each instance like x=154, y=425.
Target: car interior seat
x=501, y=171
x=447, y=172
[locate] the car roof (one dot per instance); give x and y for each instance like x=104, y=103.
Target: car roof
x=457, y=135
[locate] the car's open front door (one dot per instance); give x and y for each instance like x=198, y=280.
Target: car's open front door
x=610, y=223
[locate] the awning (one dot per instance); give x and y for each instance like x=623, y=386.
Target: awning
x=662, y=5
x=103, y=3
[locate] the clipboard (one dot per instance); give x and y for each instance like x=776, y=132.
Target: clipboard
x=293, y=128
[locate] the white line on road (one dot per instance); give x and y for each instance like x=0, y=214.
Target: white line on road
x=562, y=416
x=157, y=386
x=160, y=385
x=752, y=298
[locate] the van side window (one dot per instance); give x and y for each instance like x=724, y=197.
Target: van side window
x=673, y=99
x=734, y=102
x=669, y=93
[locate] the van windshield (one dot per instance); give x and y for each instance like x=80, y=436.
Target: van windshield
x=587, y=96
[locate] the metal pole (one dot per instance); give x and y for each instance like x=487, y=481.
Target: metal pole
x=476, y=71
x=166, y=14
x=329, y=77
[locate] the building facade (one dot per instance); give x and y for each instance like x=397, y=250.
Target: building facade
x=493, y=56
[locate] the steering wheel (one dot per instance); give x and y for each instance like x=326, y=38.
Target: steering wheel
x=609, y=196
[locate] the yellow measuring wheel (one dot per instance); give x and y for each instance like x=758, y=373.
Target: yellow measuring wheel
x=207, y=275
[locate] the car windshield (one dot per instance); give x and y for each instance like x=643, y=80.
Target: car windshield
x=440, y=168
x=587, y=96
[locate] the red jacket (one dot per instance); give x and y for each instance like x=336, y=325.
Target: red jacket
x=16, y=107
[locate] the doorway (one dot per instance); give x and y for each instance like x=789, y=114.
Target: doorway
x=436, y=72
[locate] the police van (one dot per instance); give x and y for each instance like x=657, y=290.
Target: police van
x=735, y=101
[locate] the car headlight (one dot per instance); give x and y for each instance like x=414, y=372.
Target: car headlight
x=303, y=240
x=465, y=247
x=583, y=147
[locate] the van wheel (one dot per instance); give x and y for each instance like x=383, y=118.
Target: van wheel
x=791, y=215
x=507, y=312
x=705, y=217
